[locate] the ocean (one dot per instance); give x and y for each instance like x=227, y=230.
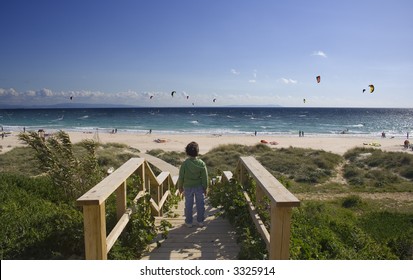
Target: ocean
x=216, y=120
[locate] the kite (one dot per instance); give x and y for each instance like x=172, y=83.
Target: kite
x=187, y=97
x=214, y=100
x=371, y=87
x=71, y=97
x=172, y=93
x=151, y=97
x=318, y=79
x=304, y=100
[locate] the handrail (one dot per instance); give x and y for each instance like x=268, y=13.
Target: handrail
x=97, y=244
x=282, y=201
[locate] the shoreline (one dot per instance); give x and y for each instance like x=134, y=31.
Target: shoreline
x=338, y=144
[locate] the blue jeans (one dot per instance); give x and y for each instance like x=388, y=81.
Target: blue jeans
x=198, y=194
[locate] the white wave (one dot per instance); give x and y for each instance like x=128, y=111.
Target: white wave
x=58, y=119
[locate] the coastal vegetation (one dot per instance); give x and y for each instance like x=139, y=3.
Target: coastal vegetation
x=39, y=187
x=354, y=206
x=364, y=214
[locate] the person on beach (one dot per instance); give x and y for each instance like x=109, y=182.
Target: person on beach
x=193, y=182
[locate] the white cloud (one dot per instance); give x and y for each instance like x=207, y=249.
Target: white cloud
x=252, y=81
x=8, y=92
x=235, y=72
x=288, y=81
x=320, y=53
x=31, y=93
x=45, y=92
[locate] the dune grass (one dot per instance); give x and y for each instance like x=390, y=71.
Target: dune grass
x=335, y=228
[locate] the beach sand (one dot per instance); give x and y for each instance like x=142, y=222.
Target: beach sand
x=176, y=142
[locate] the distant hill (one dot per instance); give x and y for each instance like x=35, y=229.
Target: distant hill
x=64, y=106
x=103, y=105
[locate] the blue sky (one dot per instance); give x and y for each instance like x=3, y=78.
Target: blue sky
x=239, y=52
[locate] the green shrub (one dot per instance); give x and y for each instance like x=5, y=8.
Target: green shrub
x=393, y=229
x=35, y=228
x=323, y=231
x=407, y=172
x=230, y=199
x=351, y=201
x=73, y=174
x=20, y=160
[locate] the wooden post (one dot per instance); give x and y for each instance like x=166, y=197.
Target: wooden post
x=143, y=177
x=259, y=195
x=160, y=194
x=95, y=231
x=280, y=232
x=121, y=200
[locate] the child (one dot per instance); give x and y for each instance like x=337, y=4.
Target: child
x=193, y=181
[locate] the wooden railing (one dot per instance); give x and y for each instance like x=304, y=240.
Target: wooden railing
x=97, y=244
x=281, y=203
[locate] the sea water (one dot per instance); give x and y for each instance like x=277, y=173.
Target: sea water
x=216, y=120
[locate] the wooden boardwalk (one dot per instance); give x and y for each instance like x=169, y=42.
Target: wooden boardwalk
x=215, y=241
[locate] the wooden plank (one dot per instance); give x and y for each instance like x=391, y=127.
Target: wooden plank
x=257, y=221
x=175, y=179
x=94, y=220
x=164, y=198
x=139, y=195
x=162, y=177
x=270, y=185
x=121, y=200
x=280, y=233
x=154, y=206
x=216, y=240
x=205, y=246
x=99, y=193
x=153, y=181
x=226, y=176
x=117, y=230
x=190, y=256
x=160, y=164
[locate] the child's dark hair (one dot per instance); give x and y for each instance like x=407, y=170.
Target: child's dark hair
x=192, y=149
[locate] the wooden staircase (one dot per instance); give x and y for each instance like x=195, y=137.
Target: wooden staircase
x=216, y=240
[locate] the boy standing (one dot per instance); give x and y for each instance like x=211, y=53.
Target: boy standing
x=193, y=181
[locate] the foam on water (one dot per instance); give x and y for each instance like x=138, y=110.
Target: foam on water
x=269, y=121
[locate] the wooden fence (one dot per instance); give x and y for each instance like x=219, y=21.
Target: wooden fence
x=281, y=203
x=97, y=244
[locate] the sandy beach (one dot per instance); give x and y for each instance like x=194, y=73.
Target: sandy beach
x=176, y=142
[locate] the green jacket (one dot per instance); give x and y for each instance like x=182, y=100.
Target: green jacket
x=193, y=173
